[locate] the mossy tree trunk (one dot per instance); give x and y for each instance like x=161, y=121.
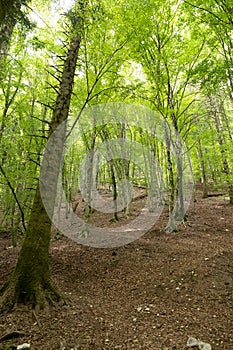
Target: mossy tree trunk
x=30, y=281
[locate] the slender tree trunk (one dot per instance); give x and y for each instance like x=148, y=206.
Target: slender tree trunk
x=171, y=183
x=114, y=185
x=90, y=179
x=203, y=170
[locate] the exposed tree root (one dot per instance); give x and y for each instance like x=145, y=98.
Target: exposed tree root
x=40, y=297
x=12, y=335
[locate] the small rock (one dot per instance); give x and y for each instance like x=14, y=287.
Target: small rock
x=63, y=345
x=192, y=342
x=23, y=346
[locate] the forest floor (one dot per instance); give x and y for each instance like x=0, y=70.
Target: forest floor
x=153, y=293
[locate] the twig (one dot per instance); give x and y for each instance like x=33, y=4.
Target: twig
x=36, y=318
x=15, y=197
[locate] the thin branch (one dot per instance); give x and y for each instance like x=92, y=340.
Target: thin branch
x=186, y=108
x=37, y=14
x=41, y=136
x=100, y=74
x=53, y=75
x=15, y=196
x=206, y=10
x=54, y=88
x=41, y=120
x=45, y=105
x=34, y=161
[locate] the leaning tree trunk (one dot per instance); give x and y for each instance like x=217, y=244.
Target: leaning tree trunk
x=30, y=281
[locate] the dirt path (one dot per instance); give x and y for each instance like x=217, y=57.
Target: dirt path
x=151, y=294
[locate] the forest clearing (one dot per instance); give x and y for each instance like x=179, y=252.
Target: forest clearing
x=154, y=293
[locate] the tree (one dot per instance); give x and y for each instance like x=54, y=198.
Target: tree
x=215, y=72
x=30, y=281
x=10, y=13
x=168, y=57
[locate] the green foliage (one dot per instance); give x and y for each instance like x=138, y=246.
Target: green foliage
x=175, y=57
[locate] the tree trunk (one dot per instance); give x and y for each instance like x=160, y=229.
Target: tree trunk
x=203, y=169
x=10, y=15
x=30, y=281
x=222, y=144
x=114, y=185
x=5, y=8
x=171, y=226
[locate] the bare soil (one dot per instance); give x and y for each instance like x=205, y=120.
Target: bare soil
x=154, y=293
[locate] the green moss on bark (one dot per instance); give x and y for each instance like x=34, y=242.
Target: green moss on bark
x=30, y=282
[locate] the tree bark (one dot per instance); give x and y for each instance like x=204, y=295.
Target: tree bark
x=10, y=14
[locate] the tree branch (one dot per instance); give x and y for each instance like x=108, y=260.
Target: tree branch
x=15, y=197
x=208, y=11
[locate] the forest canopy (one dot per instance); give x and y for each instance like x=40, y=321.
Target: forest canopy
x=174, y=57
